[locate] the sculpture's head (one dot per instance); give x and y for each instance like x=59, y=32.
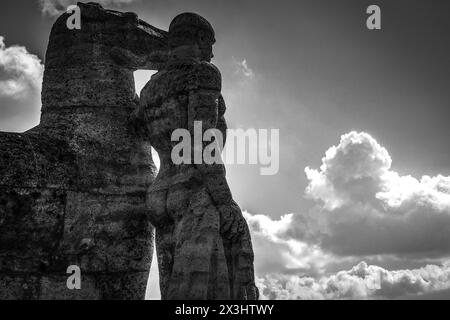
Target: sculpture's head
x=191, y=35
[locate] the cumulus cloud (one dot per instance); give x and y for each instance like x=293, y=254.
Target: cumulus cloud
x=365, y=211
x=359, y=170
x=56, y=7
x=363, y=281
x=289, y=268
x=20, y=88
x=243, y=68
x=20, y=71
x=366, y=208
x=277, y=251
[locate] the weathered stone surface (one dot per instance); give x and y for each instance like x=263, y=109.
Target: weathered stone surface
x=72, y=190
x=79, y=188
x=94, y=66
x=203, y=243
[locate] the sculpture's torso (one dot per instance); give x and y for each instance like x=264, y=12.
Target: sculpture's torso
x=166, y=99
x=189, y=204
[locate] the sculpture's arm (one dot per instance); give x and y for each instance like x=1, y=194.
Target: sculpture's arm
x=204, y=94
x=221, y=122
x=136, y=120
x=206, y=104
x=203, y=101
x=203, y=107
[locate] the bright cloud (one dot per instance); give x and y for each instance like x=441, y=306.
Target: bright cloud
x=365, y=207
x=292, y=269
x=243, y=68
x=20, y=88
x=276, y=251
x=56, y=7
x=363, y=281
x=359, y=170
x=364, y=211
x=20, y=71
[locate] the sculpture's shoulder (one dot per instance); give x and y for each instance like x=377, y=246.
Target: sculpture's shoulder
x=192, y=75
x=180, y=78
x=207, y=76
x=155, y=87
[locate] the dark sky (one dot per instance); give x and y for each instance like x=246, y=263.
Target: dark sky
x=313, y=70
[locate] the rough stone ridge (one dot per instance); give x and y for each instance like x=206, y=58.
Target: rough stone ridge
x=72, y=190
x=202, y=239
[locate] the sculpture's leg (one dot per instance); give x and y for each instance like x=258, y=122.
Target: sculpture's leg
x=244, y=287
x=235, y=234
x=164, y=241
x=239, y=253
x=199, y=252
x=165, y=246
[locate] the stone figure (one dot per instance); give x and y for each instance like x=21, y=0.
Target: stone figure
x=202, y=239
x=72, y=189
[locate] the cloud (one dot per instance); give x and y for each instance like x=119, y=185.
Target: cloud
x=288, y=268
x=366, y=208
x=20, y=88
x=56, y=7
x=243, y=68
x=364, y=211
x=363, y=281
x=279, y=252
x=20, y=71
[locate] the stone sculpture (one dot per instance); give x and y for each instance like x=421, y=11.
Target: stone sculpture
x=72, y=190
x=202, y=240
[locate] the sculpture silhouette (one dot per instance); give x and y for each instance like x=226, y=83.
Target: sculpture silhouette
x=72, y=189
x=202, y=240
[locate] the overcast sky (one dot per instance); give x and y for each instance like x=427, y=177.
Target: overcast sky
x=361, y=204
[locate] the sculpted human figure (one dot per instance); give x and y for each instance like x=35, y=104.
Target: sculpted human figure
x=202, y=239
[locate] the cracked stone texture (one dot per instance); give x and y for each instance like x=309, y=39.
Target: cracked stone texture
x=203, y=242
x=72, y=190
